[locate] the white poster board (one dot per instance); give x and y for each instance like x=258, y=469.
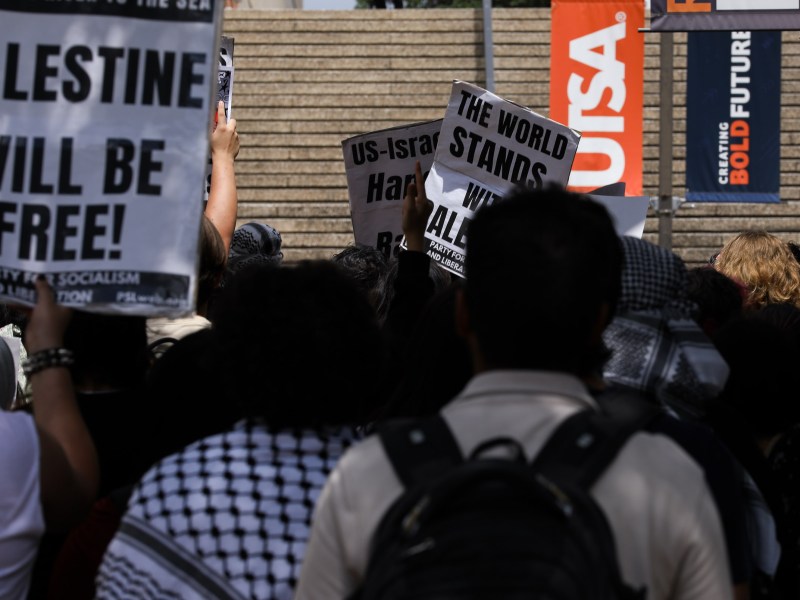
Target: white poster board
x=629, y=213
x=379, y=167
x=487, y=146
x=225, y=75
x=103, y=145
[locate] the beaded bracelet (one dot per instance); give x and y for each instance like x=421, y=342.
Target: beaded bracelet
x=45, y=359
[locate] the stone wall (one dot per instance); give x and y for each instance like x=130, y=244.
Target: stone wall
x=306, y=80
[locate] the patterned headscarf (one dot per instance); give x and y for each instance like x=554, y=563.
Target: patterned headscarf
x=656, y=345
x=254, y=243
x=227, y=517
x=256, y=238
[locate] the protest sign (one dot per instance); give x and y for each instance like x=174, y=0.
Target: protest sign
x=733, y=116
x=103, y=145
x=487, y=146
x=629, y=213
x=225, y=73
x=224, y=93
x=707, y=15
x=597, y=87
x=379, y=167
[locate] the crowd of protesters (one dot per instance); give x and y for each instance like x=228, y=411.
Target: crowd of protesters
x=231, y=453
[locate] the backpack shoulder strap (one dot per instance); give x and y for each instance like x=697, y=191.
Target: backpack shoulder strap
x=155, y=348
x=419, y=449
x=583, y=446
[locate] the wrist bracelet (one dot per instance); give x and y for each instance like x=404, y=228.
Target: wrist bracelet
x=45, y=359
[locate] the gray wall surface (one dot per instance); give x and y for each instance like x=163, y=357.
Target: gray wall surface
x=306, y=80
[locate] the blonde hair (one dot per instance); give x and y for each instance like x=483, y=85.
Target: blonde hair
x=765, y=264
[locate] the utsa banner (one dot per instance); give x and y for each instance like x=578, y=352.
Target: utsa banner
x=733, y=116
x=596, y=87
x=706, y=15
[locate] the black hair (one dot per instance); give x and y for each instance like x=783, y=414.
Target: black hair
x=110, y=350
x=717, y=297
x=300, y=345
x=184, y=399
x=540, y=265
x=366, y=266
x=213, y=259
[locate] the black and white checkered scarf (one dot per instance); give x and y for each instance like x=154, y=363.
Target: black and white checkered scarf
x=656, y=345
x=227, y=517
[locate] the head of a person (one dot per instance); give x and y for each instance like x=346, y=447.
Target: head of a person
x=110, y=350
x=252, y=243
x=765, y=264
x=542, y=280
x=656, y=346
x=256, y=238
x=366, y=266
x=299, y=344
x=653, y=279
x=718, y=298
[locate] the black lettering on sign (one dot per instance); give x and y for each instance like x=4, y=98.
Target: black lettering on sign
x=63, y=232
x=121, y=166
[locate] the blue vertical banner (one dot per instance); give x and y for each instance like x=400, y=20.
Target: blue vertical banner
x=731, y=15
x=733, y=102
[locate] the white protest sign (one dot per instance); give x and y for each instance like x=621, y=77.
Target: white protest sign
x=379, y=167
x=628, y=213
x=487, y=146
x=103, y=146
x=225, y=74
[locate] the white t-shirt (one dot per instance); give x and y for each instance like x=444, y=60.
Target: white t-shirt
x=21, y=517
x=667, y=531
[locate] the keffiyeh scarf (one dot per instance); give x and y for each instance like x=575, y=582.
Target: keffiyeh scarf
x=656, y=345
x=253, y=239
x=227, y=517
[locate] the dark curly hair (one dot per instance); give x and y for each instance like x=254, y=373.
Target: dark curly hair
x=299, y=344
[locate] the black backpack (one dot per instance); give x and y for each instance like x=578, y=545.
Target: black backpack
x=497, y=528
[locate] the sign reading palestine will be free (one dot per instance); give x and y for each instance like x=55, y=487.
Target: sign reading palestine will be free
x=103, y=146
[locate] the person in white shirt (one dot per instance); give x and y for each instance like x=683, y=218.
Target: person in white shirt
x=543, y=274
x=48, y=461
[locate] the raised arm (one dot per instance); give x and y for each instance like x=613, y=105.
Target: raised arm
x=416, y=211
x=69, y=473
x=222, y=198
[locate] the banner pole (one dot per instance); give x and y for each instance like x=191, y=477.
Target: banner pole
x=488, y=45
x=665, y=208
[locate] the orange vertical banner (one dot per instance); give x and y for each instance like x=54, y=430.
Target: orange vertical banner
x=597, y=87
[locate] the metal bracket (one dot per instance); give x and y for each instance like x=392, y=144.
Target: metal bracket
x=677, y=201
